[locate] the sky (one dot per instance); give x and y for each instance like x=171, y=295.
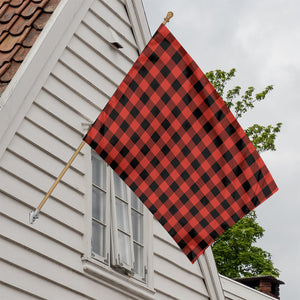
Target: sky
x=261, y=40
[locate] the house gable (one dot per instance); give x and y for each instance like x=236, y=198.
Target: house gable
x=65, y=80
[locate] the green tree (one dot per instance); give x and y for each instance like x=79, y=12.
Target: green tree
x=235, y=252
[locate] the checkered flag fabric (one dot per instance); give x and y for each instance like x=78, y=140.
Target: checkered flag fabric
x=167, y=133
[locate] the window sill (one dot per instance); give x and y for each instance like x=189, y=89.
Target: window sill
x=118, y=281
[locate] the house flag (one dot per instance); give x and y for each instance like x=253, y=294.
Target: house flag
x=168, y=134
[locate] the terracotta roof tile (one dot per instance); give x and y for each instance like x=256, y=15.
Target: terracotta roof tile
x=32, y=7
x=50, y=6
x=13, y=10
x=3, y=9
x=11, y=41
x=16, y=2
x=6, y=57
x=6, y=26
x=21, y=54
x=31, y=37
x=41, y=21
x=4, y=68
x=21, y=22
x=10, y=72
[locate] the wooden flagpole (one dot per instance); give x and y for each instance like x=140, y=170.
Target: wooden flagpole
x=33, y=215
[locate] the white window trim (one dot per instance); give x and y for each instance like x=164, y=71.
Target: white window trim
x=105, y=259
x=97, y=267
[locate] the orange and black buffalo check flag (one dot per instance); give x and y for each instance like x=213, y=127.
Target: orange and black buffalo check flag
x=167, y=133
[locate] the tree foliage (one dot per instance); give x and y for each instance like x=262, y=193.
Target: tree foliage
x=235, y=252
x=262, y=137
x=237, y=256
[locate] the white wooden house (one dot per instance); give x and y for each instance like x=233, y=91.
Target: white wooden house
x=93, y=240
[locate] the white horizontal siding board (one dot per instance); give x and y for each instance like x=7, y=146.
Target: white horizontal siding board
x=54, y=125
x=54, y=209
x=42, y=266
x=113, y=19
x=11, y=293
x=119, y=8
x=41, y=180
x=70, y=97
x=31, y=238
x=58, y=109
x=31, y=196
x=57, y=275
x=80, y=85
x=176, y=290
x=50, y=144
x=174, y=272
x=50, y=227
x=102, y=82
x=174, y=255
x=97, y=42
x=72, y=180
x=41, y=160
x=162, y=233
x=95, y=59
x=34, y=284
x=96, y=23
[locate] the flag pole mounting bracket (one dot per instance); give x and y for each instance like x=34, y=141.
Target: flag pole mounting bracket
x=33, y=215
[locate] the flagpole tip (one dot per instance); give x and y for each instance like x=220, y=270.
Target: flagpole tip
x=168, y=17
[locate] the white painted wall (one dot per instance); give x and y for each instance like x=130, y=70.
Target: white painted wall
x=68, y=79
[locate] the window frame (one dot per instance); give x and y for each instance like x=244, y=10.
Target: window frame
x=106, y=258
x=104, y=264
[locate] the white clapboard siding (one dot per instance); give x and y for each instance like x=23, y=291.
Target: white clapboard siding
x=44, y=260
x=42, y=180
x=93, y=76
x=102, y=47
x=112, y=18
x=171, y=265
x=9, y=292
x=69, y=97
x=102, y=28
x=49, y=143
x=24, y=196
x=68, y=75
x=50, y=227
x=95, y=60
x=39, y=242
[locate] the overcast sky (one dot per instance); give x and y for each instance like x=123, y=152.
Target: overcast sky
x=261, y=39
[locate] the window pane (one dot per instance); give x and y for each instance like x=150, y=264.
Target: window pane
x=124, y=247
x=99, y=204
x=99, y=172
x=136, y=202
x=138, y=259
x=120, y=187
x=137, y=226
x=122, y=215
x=98, y=238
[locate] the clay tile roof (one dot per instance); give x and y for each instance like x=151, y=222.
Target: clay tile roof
x=21, y=22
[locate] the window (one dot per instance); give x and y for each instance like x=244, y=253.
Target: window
x=118, y=223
